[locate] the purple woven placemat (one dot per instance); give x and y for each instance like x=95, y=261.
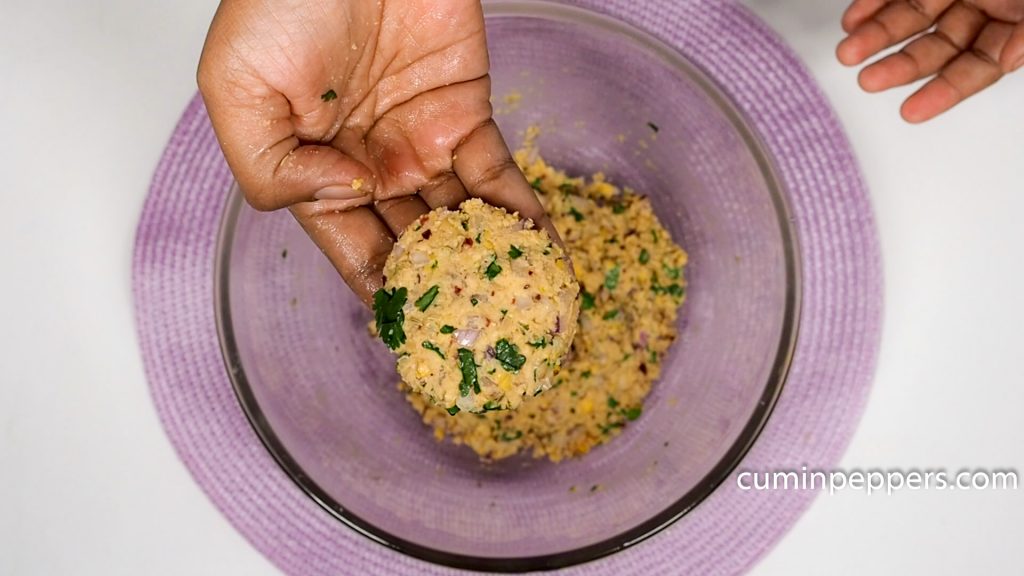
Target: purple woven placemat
x=812, y=422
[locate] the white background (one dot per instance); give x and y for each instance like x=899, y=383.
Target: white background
x=89, y=93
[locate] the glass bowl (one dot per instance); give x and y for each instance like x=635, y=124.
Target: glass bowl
x=323, y=396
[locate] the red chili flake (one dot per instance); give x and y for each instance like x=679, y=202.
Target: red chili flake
x=458, y=289
x=643, y=368
x=529, y=272
x=467, y=242
x=426, y=234
x=536, y=297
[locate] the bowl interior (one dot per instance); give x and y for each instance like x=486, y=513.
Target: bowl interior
x=322, y=394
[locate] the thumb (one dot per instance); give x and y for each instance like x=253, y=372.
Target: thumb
x=1012, y=57
x=273, y=168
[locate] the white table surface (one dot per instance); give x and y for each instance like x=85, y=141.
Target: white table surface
x=89, y=484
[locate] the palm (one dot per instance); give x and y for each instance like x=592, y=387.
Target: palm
x=394, y=94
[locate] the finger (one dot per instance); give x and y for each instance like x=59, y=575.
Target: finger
x=398, y=213
x=487, y=170
x=965, y=76
x=1012, y=57
x=957, y=30
x=894, y=23
x=858, y=12
x=255, y=128
x=355, y=241
x=445, y=190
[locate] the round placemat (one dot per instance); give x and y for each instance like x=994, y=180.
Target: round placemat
x=814, y=418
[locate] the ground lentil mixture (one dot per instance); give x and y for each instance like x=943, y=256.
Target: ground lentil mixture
x=631, y=276
x=479, y=306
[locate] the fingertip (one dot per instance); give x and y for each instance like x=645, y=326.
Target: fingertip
x=848, y=53
x=913, y=113
x=870, y=81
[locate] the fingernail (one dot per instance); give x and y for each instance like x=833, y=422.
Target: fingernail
x=339, y=193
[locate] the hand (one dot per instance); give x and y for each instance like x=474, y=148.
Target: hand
x=359, y=116
x=968, y=47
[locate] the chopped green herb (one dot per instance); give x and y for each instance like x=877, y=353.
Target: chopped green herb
x=536, y=184
x=654, y=236
x=510, y=436
x=474, y=301
x=645, y=256
x=676, y=290
x=491, y=406
x=576, y=214
x=433, y=348
x=478, y=236
x=493, y=269
x=611, y=279
x=508, y=355
x=653, y=127
x=654, y=357
x=446, y=329
x=389, y=316
x=586, y=300
x=433, y=265
x=610, y=315
x=633, y=413
x=611, y=426
x=567, y=187
x=468, y=367
x=424, y=302
x=541, y=342
x=329, y=95
x=504, y=312
x=672, y=273
x=585, y=374
x=514, y=252
x=453, y=410
x=612, y=402
x=546, y=252
x=465, y=225
x=618, y=208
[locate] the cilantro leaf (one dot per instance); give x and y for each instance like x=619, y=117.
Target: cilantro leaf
x=611, y=279
x=427, y=299
x=576, y=214
x=389, y=316
x=467, y=365
x=586, y=300
x=329, y=95
x=508, y=355
x=514, y=252
x=493, y=269
x=447, y=329
x=433, y=348
x=645, y=256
